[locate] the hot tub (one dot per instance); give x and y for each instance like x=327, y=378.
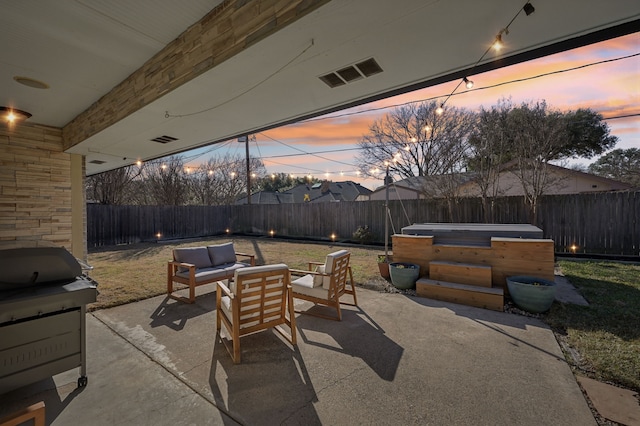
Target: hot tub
x=472, y=234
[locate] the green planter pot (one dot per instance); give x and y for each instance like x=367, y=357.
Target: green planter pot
x=532, y=294
x=404, y=275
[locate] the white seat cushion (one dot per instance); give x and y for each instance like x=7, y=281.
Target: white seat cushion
x=305, y=285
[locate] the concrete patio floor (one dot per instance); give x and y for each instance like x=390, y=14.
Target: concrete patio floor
x=394, y=360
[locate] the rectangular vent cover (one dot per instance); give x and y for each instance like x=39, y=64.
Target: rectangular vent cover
x=164, y=139
x=97, y=162
x=351, y=73
x=332, y=80
x=369, y=67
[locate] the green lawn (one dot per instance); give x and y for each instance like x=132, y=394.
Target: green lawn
x=606, y=334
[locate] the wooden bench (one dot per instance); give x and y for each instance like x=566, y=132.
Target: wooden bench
x=194, y=266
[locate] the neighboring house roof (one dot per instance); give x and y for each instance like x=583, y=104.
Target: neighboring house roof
x=615, y=185
x=569, y=181
x=464, y=184
x=311, y=193
x=433, y=186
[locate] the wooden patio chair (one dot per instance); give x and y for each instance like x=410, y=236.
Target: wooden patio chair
x=259, y=298
x=327, y=284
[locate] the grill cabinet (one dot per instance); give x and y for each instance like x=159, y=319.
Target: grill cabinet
x=43, y=297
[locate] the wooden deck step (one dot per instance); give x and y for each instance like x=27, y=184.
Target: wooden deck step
x=471, y=295
x=457, y=272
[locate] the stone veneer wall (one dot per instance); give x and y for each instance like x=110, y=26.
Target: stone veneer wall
x=35, y=185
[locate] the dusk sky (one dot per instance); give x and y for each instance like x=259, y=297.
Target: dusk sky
x=611, y=88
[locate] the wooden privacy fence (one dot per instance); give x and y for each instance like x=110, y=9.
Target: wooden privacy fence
x=599, y=223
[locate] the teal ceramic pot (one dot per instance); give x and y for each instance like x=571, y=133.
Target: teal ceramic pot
x=532, y=294
x=404, y=275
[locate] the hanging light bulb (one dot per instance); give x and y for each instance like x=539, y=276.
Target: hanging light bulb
x=468, y=83
x=440, y=109
x=497, y=45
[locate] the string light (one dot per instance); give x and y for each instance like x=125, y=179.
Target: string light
x=468, y=83
x=497, y=45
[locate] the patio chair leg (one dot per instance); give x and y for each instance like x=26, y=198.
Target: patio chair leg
x=353, y=288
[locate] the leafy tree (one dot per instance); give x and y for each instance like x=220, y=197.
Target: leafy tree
x=588, y=135
x=282, y=182
x=537, y=133
x=619, y=164
x=527, y=137
x=489, y=148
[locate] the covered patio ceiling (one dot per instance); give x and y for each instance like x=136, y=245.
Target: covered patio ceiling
x=83, y=49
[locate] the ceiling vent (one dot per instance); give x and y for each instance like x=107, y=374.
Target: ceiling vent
x=332, y=80
x=351, y=73
x=369, y=67
x=164, y=139
x=97, y=162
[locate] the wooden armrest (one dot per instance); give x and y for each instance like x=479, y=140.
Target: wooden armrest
x=177, y=265
x=184, y=265
x=222, y=286
x=311, y=264
x=251, y=256
x=303, y=272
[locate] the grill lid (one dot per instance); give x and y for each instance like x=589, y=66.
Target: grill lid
x=35, y=266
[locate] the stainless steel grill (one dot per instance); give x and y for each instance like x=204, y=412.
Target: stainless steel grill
x=43, y=297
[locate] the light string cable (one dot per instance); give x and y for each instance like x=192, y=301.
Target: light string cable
x=167, y=115
x=504, y=30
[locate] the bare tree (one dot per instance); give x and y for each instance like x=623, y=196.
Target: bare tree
x=115, y=187
x=416, y=141
x=165, y=182
x=221, y=180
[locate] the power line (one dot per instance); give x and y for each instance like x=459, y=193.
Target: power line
x=306, y=152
